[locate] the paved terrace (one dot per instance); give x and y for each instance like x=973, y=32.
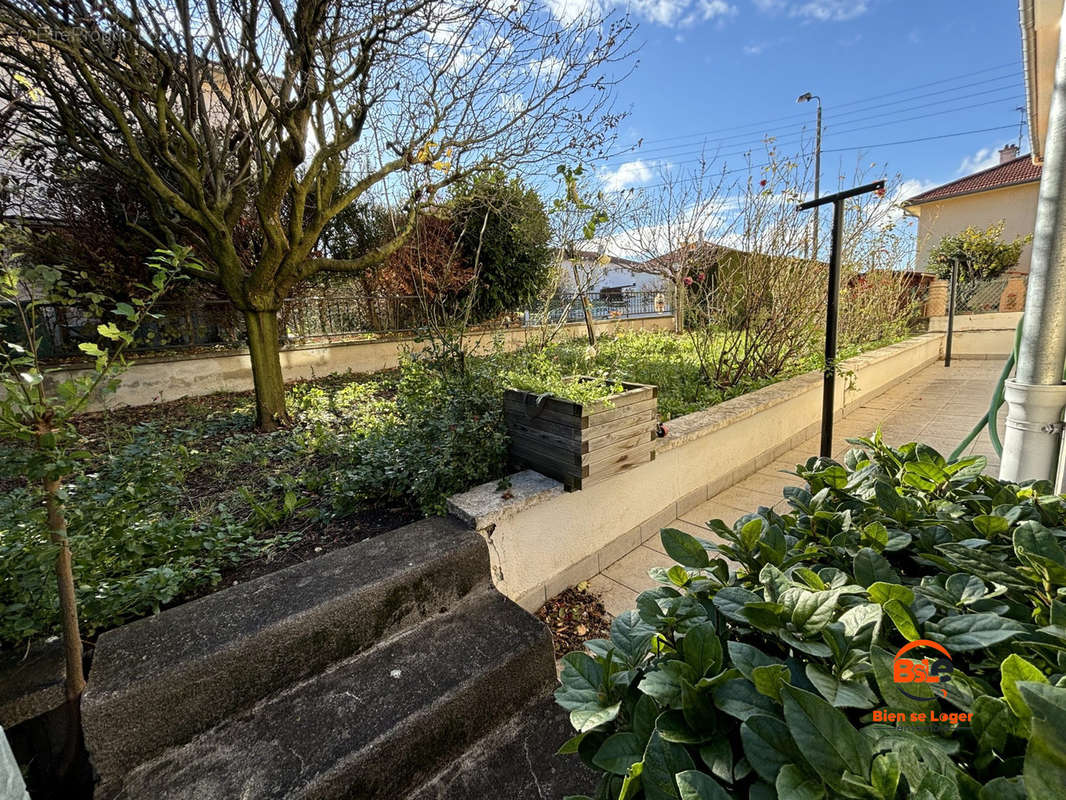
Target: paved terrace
x=937, y=406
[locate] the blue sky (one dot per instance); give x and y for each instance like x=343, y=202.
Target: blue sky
x=887, y=70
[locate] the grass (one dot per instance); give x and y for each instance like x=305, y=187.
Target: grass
x=665, y=360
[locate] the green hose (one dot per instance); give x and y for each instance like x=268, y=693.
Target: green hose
x=991, y=417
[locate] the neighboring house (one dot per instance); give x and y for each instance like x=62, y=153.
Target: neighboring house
x=614, y=273
x=1004, y=193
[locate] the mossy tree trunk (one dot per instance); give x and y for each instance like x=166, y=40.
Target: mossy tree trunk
x=68, y=612
x=264, y=349
x=68, y=604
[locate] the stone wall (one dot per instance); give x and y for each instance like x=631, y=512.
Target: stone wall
x=542, y=539
x=160, y=380
x=980, y=335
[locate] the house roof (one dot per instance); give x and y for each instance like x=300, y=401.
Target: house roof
x=1013, y=173
x=592, y=255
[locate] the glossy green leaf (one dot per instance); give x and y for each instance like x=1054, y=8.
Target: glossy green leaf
x=967, y=632
x=620, y=752
x=702, y=649
x=1013, y=671
x=768, y=745
x=1045, y=757
x=683, y=548
x=825, y=736
x=696, y=785
x=793, y=783
x=662, y=762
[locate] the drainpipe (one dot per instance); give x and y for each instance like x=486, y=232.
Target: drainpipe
x=1036, y=395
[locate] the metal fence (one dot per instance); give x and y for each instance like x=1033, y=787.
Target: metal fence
x=216, y=324
x=602, y=305
x=984, y=296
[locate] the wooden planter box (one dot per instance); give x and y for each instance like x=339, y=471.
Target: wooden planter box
x=582, y=445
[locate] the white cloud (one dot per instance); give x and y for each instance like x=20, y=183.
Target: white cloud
x=818, y=10
x=570, y=11
x=984, y=158
x=755, y=49
x=713, y=9
x=547, y=69
x=669, y=13
x=513, y=102
x=631, y=173
x=912, y=187
x=830, y=10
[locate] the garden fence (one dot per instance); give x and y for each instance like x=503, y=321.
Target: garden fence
x=602, y=305
x=986, y=296
x=216, y=324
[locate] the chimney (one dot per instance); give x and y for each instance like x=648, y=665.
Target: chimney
x=1008, y=153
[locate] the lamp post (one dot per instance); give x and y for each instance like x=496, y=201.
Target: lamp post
x=806, y=97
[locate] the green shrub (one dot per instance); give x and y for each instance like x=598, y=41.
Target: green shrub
x=446, y=436
x=135, y=542
x=165, y=508
x=761, y=680
x=503, y=232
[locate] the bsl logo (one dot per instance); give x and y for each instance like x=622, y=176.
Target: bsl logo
x=933, y=669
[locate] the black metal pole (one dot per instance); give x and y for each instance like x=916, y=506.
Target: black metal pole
x=951, y=311
x=829, y=380
x=832, y=304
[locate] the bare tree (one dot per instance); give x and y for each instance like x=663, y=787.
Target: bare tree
x=283, y=113
x=670, y=220
x=732, y=243
x=581, y=219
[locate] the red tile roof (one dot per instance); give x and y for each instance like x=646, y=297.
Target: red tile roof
x=1014, y=172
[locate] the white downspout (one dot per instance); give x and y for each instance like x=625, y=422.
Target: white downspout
x=1036, y=395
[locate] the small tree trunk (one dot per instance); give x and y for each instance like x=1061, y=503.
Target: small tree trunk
x=590, y=326
x=68, y=610
x=270, y=411
x=679, y=306
x=68, y=604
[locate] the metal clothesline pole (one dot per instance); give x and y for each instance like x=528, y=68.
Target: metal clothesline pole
x=833, y=304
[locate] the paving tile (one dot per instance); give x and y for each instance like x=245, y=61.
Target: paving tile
x=714, y=509
x=746, y=499
x=693, y=528
x=618, y=548
x=632, y=569
x=650, y=528
x=616, y=597
x=937, y=405
x=771, y=484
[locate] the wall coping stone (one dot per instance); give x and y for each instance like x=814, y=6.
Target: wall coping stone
x=485, y=505
x=703, y=423
x=384, y=337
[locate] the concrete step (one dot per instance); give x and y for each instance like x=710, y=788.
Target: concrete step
x=160, y=681
x=516, y=761
x=374, y=726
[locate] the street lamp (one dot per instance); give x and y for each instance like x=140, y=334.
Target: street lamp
x=806, y=97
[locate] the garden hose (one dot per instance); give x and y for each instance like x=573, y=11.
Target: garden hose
x=991, y=417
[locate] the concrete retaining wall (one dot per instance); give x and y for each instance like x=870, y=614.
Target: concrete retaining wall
x=159, y=380
x=980, y=335
x=542, y=539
